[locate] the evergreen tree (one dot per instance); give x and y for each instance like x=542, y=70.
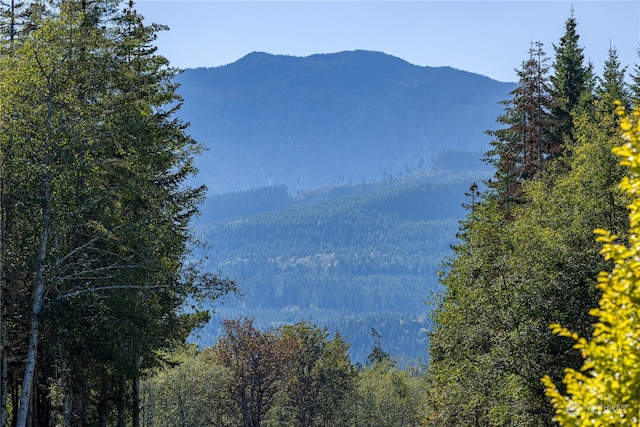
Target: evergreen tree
x=570, y=83
x=635, y=85
x=611, y=86
x=97, y=251
x=377, y=355
x=14, y=21
x=522, y=149
x=508, y=279
x=518, y=269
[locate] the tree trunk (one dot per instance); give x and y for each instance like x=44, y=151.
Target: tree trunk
x=122, y=402
x=67, y=403
x=3, y=292
x=3, y=378
x=38, y=299
x=135, y=411
x=40, y=282
x=103, y=409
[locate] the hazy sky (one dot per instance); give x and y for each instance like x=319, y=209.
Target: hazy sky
x=485, y=37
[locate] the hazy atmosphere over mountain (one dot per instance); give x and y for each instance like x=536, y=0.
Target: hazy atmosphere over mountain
x=346, y=117
x=336, y=186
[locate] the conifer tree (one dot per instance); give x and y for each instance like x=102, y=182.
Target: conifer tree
x=519, y=268
x=14, y=21
x=635, y=79
x=570, y=81
x=523, y=148
x=96, y=161
x=611, y=86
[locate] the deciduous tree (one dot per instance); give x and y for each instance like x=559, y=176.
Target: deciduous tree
x=604, y=391
x=321, y=377
x=257, y=363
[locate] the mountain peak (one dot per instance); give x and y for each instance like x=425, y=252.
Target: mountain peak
x=354, y=115
x=342, y=56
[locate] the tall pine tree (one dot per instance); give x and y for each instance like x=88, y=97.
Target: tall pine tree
x=522, y=149
x=635, y=81
x=570, y=81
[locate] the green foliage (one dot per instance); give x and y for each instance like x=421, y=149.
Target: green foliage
x=292, y=376
x=604, y=391
x=519, y=267
x=186, y=392
x=389, y=397
x=571, y=82
x=487, y=329
x=523, y=149
x=635, y=81
x=320, y=379
x=377, y=355
x=349, y=258
x=315, y=385
x=94, y=228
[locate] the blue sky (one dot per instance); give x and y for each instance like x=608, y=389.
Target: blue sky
x=485, y=37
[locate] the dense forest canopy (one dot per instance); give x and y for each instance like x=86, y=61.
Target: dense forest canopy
x=99, y=287
x=94, y=213
x=527, y=257
x=604, y=389
x=347, y=258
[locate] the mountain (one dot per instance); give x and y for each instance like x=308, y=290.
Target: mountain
x=348, y=117
x=336, y=184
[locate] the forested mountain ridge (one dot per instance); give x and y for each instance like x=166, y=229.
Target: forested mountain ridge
x=346, y=117
x=351, y=179
x=344, y=257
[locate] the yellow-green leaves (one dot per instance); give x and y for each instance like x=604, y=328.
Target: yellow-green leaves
x=606, y=390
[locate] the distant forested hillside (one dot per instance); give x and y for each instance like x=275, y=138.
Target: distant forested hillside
x=336, y=183
x=346, y=257
x=343, y=118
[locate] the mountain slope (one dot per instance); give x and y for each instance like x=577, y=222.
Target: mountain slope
x=349, y=258
x=350, y=117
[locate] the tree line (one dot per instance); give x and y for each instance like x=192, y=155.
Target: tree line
x=294, y=375
x=526, y=256
x=94, y=213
